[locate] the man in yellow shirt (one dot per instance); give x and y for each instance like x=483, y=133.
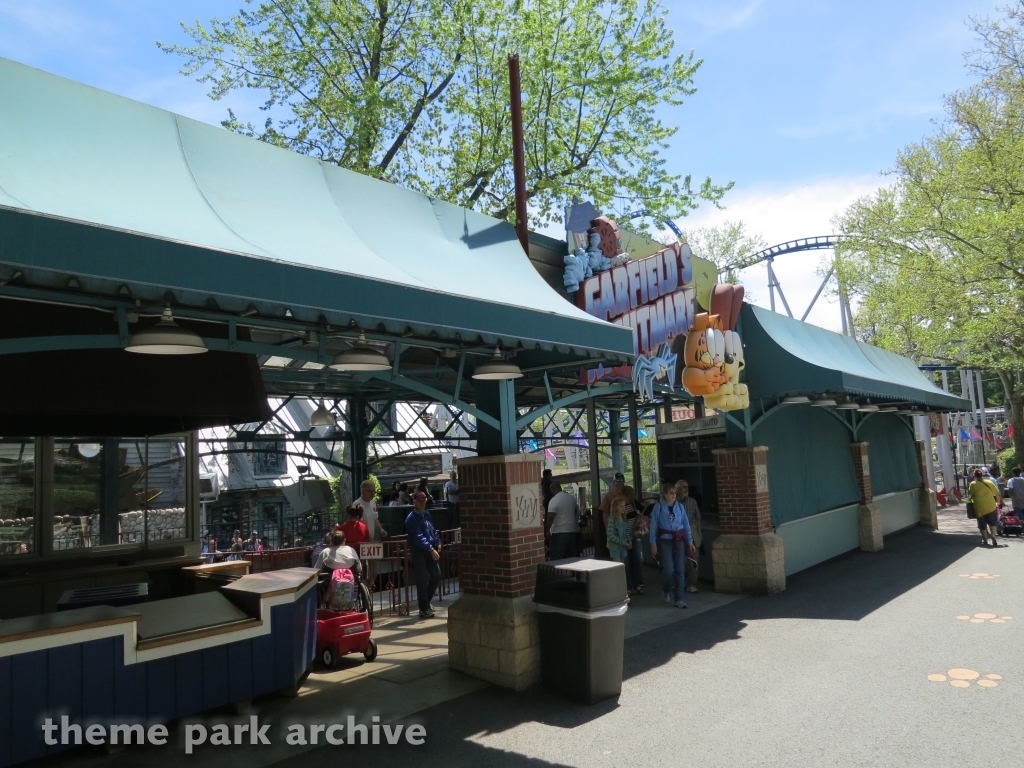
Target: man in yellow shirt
x=985, y=496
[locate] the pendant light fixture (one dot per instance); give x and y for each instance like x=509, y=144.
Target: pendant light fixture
x=868, y=407
x=796, y=399
x=497, y=369
x=166, y=338
x=322, y=417
x=361, y=357
x=848, y=405
x=824, y=402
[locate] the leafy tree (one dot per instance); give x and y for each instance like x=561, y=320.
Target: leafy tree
x=728, y=245
x=937, y=258
x=416, y=92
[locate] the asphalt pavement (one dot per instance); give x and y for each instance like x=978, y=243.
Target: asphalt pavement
x=906, y=657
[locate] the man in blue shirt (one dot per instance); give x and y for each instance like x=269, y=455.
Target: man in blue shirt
x=425, y=550
x=672, y=540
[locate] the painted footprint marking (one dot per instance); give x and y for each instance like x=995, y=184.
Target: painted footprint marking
x=962, y=678
x=981, y=618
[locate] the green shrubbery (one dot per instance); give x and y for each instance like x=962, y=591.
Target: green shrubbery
x=1007, y=461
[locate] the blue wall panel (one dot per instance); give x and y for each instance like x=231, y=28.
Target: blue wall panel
x=188, y=681
x=6, y=707
x=215, y=676
x=807, y=476
x=240, y=684
x=98, y=662
x=29, y=699
x=89, y=681
x=892, y=452
x=64, y=681
x=161, y=699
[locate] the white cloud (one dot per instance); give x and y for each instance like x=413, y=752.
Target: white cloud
x=722, y=15
x=783, y=213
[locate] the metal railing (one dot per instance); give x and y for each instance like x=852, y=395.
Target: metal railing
x=389, y=578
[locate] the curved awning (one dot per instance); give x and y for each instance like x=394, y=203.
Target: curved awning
x=115, y=193
x=787, y=357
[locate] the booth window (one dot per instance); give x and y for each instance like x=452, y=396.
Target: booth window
x=17, y=495
x=109, y=491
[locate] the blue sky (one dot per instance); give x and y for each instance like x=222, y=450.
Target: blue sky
x=801, y=102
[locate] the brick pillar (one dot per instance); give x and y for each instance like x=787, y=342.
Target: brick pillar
x=748, y=557
x=926, y=496
x=492, y=628
x=869, y=517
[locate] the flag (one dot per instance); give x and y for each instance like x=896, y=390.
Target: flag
x=963, y=435
x=975, y=435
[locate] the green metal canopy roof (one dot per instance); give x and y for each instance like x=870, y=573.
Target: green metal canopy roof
x=788, y=357
x=115, y=193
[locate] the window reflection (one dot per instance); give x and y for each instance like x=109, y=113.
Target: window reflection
x=109, y=491
x=17, y=496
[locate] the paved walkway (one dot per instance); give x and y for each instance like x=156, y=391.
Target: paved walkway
x=868, y=660
x=834, y=671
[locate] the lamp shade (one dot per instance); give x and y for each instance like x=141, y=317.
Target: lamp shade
x=868, y=407
x=497, y=369
x=361, y=358
x=823, y=402
x=849, y=405
x=166, y=338
x=322, y=417
x=796, y=399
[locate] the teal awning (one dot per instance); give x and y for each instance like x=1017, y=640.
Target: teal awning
x=788, y=357
x=118, y=194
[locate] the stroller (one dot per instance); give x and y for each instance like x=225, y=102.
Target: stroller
x=1010, y=524
x=345, y=616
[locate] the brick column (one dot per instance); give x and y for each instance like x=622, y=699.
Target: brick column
x=926, y=496
x=748, y=557
x=492, y=628
x=869, y=517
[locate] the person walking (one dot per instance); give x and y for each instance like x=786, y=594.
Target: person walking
x=618, y=538
x=368, y=502
x=601, y=523
x=451, y=495
x=672, y=541
x=425, y=551
x=1016, y=489
x=693, y=516
x=561, y=524
x=545, y=488
x=638, y=526
x=985, y=497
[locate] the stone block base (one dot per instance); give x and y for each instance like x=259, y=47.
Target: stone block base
x=869, y=528
x=496, y=639
x=749, y=565
x=929, y=508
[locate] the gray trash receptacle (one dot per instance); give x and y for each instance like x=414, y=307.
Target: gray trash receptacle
x=581, y=606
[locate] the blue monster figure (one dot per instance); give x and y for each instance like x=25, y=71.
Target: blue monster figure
x=576, y=271
x=597, y=260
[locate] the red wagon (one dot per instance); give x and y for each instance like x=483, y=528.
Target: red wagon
x=339, y=633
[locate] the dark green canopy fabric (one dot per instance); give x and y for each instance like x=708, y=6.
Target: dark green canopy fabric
x=788, y=357
x=120, y=194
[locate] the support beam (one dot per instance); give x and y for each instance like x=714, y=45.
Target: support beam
x=634, y=439
x=595, y=477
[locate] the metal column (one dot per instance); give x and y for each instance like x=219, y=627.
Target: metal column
x=634, y=445
x=595, y=477
x=357, y=417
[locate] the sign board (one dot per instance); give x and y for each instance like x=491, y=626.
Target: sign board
x=526, y=506
x=371, y=550
x=653, y=297
x=703, y=426
x=761, y=478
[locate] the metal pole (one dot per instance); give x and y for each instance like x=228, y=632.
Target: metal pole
x=518, y=150
x=771, y=282
x=984, y=420
x=634, y=441
x=595, y=477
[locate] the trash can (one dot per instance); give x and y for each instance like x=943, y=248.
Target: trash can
x=581, y=606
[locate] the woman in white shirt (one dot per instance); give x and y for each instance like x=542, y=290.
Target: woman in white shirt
x=337, y=555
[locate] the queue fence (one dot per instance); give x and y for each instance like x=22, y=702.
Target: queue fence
x=387, y=569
